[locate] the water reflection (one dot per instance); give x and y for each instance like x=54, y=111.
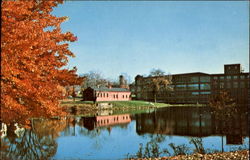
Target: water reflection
x=104, y=121
x=167, y=131
x=196, y=121
x=36, y=143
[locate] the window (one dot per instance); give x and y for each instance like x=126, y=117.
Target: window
x=122, y=96
x=107, y=95
x=126, y=96
x=194, y=79
x=228, y=85
x=235, y=77
x=242, y=77
x=242, y=84
x=215, y=77
x=221, y=77
x=195, y=93
x=215, y=84
x=193, y=87
x=138, y=95
x=181, y=79
x=180, y=87
x=117, y=96
x=205, y=79
x=114, y=96
x=222, y=85
x=205, y=92
x=228, y=77
x=100, y=94
x=138, y=89
x=235, y=84
x=204, y=86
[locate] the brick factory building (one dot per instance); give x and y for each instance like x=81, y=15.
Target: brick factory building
x=197, y=87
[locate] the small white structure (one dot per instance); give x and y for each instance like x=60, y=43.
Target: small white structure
x=104, y=105
x=3, y=131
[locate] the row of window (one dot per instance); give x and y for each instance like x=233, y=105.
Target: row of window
x=186, y=94
x=205, y=79
x=190, y=87
x=194, y=79
x=230, y=85
x=107, y=95
x=193, y=87
x=231, y=77
x=197, y=93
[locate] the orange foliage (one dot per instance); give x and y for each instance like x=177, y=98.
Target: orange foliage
x=34, y=50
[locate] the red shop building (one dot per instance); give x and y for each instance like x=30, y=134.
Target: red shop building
x=106, y=94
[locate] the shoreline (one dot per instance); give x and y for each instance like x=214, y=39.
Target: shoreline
x=117, y=107
x=234, y=155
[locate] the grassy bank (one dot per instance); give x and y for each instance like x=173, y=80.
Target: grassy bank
x=118, y=107
x=116, y=104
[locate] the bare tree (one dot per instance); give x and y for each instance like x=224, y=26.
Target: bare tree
x=160, y=84
x=94, y=79
x=156, y=72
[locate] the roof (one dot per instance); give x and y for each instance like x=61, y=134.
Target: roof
x=192, y=73
x=181, y=74
x=105, y=89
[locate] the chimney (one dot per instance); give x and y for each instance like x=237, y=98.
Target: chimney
x=109, y=85
x=121, y=80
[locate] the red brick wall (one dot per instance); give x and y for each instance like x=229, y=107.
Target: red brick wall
x=113, y=96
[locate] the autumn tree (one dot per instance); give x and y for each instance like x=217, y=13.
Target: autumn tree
x=222, y=105
x=34, y=50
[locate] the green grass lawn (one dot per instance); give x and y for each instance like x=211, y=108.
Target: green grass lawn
x=121, y=107
x=133, y=103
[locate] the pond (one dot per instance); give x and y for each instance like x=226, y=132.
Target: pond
x=160, y=132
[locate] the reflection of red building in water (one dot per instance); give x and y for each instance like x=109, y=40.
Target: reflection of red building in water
x=105, y=121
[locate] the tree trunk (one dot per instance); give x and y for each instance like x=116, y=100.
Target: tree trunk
x=155, y=97
x=73, y=95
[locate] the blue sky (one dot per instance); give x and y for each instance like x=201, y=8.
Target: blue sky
x=133, y=37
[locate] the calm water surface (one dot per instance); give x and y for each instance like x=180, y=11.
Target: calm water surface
x=121, y=136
